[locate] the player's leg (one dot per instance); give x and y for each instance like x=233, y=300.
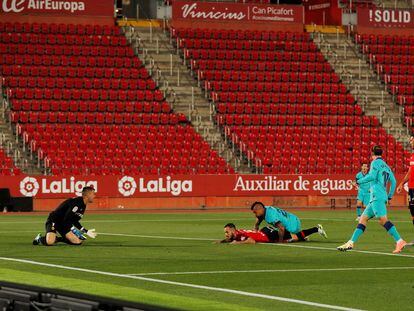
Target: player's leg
x=359, y=208
x=381, y=212
x=411, y=203
x=304, y=234
x=50, y=237
x=359, y=230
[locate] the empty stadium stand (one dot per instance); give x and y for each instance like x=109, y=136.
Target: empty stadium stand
x=280, y=102
x=85, y=104
x=393, y=60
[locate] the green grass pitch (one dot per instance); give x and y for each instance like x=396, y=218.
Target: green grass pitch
x=149, y=248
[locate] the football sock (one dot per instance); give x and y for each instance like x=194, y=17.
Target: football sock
x=310, y=231
x=357, y=233
x=358, y=211
x=389, y=226
x=42, y=240
x=60, y=239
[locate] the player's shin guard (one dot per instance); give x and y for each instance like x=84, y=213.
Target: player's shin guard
x=389, y=226
x=357, y=233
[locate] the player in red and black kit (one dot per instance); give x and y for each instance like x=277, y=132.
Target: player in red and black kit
x=65, y=220
x=265, y=235
x=410, y=178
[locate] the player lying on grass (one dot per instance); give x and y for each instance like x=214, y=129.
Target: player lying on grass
x=283, y=221
x=65, y=220
x=265, y=235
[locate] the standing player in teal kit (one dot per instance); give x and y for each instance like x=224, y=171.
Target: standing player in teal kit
x=379, y=176
x=363, y=190
x=283, y=221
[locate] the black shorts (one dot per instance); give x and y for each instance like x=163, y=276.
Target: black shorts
x=411, y=201
x=51, y=226
x=273, y=234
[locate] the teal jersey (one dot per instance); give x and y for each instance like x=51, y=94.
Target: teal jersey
x=379, y=176
x=275, y=215
x=364, y=188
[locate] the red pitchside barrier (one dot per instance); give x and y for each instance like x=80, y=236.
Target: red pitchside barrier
x=181, y=186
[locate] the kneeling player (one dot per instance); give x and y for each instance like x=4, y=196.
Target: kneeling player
x=65, y=220
x=265, y=235
x=282, y=220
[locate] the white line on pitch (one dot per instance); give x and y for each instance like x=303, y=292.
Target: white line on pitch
x=209, y=288
x=334, y=249
x=268, y=271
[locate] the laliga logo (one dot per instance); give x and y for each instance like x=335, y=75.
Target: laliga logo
x=127, y=186
x=29, y=187
x=14, y=6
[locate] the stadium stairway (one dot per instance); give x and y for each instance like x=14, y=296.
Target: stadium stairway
x=22, y=158
x=363, y=82
x=398, y=4
x=175, y=79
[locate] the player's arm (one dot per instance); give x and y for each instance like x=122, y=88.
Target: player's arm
x=404, y=181
x=393, y=182
x=246, y=241
x=280, y=231
x=257, y=223
x=371, y=176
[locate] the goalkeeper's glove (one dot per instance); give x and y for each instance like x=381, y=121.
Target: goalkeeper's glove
x=78, y=233
x=91, y=233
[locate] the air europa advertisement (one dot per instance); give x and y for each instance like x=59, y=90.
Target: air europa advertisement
x=58, y=7
x=180, y=185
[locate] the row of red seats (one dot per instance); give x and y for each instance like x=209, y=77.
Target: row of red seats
x=400, y=79
x=202, y=64
x=298, y=120
x=87, y=130
x=277, y=97
x=326, y=109
x=66, y=40
x=68, y=50
x=73, y=61
x=143, y=170
x=400, y=89
x=262, y=76
x=84, y=94
x=397, y=69
x=80, y=83
x=305, y=46
x=384, y=39
x=307, y=132
x=393, y=59
x=90, y=106
x=96, y=117
x=74, y=72
x=405, y=100
x=52, y=28
x=232, y=34
x=283, y=87
x=389, y=49
x=237, y=55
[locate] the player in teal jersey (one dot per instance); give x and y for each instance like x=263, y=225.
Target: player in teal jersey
x=379, y=176
x=363, y=190
x=282, y=220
